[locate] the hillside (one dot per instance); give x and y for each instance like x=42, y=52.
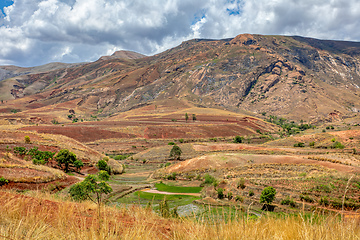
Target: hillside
x=294, y=77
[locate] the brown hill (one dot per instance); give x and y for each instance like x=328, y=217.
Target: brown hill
x=295, y=77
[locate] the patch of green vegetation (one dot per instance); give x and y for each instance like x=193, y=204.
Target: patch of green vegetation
x=155, y=198
x=289, y=127
x=176, y=189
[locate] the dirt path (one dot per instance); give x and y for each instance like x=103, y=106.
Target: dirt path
x=170, y=193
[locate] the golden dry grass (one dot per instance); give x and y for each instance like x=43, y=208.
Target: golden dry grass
x=45, y=217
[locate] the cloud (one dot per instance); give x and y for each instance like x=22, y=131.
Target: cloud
x=35, y=32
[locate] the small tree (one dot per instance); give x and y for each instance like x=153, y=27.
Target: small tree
x=92, y=188
x=78, y=164
x=175, y=152
x=102, y=165
x=66, y=158
x=193, y=117
x=3, y=181
x=238, y=139
x=186, y=117
x=27, y=139
x=268, y=195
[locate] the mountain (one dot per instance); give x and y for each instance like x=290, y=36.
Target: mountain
x=294, y=77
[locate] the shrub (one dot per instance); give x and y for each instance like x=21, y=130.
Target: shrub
x=102, y=165
x=230, y=195
x=241, y=183
x=220, y=193
x=209, y=179
x=268, y=195
x=171, y=176
x=306, y=198
x=164, y=208
x=312, y=144
x=78, y=164
x=66, y=158
x=171, y=143
x=299, y=144
x=20, y=150
x=338, y=145
x=288, y=201
x=239, y=199
x=181, y=140
x=27, y=139
x=175, y=152
x=251, y=193
x=238, y=139
x=3, y=181
x=324, y=201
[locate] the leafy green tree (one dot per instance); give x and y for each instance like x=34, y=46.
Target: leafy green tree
x=78, y=164
x=66, y=158
x=238, y=139
x=102, y=165
x=186, y=117
x=175, y=152
x=268, y=195
x=194, y=117
x=92, y=188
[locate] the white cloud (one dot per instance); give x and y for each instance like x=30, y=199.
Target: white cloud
x=35, y=32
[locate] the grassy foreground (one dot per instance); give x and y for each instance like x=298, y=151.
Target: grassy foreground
x=45, y=217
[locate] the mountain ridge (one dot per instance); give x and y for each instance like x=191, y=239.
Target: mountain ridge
x=294, y=77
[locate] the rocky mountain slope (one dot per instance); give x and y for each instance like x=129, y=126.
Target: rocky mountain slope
x=293, y=77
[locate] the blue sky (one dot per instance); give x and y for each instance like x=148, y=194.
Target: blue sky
x=36, y=32
x=5, y=3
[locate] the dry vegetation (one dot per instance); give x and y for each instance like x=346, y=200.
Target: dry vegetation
x=45, y=217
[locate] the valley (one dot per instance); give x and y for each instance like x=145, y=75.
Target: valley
x=191, y=135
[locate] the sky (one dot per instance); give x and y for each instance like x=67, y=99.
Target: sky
x=36, y=32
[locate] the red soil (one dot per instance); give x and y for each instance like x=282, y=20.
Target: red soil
x=80, y=133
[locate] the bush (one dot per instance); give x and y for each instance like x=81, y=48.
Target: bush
x=288, y=201
x=324, y=201
x=171, y=143
x=78, y=164
x=251, y=193
x=102, y=165
x=299, y=144
x=27, y=139
x=312, y=144
x=66, y=158
x=239, y=199
x=171, y=176
x=306, y=198
x=241, y=183
x=3, y=181
x=230, y=195
x=20, y=150
x=220, y=193
x=338, y=145
x=175, y=152
x=268, y=195
x=209, y=179
x=181, y=140
x=238, y=139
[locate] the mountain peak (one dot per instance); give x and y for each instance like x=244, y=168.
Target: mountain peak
x=123, y=54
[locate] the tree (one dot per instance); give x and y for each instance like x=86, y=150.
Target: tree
x=238, y=139
x=186, y=117
x=194, y=117
x=268, y=195
x=175, y=152
x=66, y=158
x=92, y=188
x=78, y=164
x=102, y=165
